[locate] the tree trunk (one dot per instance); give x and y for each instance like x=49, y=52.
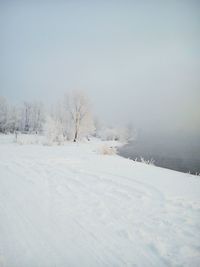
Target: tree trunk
x=75, y=137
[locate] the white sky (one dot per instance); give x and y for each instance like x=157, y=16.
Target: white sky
x=139, y=61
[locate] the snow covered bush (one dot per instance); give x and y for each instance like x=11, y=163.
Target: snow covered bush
x=107, y=150
x=149, y=162
x=28, y=139
x=120, y=134
x=53, y=132
x=109, y=134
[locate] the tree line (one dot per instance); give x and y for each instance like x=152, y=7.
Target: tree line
x=70, y=119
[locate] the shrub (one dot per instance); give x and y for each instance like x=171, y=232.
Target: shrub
x=149, y=162
x=107, y=150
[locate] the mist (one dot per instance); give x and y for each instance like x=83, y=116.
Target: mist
x=137, y=61
x=99, y=133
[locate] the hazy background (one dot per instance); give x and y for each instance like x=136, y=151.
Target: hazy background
x=139, y=61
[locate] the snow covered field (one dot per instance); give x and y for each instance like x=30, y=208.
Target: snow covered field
x=65, y=206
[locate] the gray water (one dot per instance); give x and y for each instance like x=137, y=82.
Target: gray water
x=180, y=153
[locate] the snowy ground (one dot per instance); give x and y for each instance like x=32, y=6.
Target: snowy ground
x=65, y=206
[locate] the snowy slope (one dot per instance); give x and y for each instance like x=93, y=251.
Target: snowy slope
x=70, y=206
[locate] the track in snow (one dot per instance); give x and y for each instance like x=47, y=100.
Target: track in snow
x=67, y=206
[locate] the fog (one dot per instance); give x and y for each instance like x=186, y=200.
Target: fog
x=137, y=60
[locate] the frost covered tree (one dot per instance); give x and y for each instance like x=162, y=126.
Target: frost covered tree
x=98, y=127
x=3, y=114
x=53, y=131
x=110, y=133
x=9, y=117
x=61, y=116
x=37, y=117
x=80, y=116
x=121, y=134
x=13, y=119
x=32, y=117
x=26, y=117
x=70, y=119
x=57, y=125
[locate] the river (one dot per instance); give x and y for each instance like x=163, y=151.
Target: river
x=180, y=154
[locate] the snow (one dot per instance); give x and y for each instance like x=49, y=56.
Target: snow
x=71, y=206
